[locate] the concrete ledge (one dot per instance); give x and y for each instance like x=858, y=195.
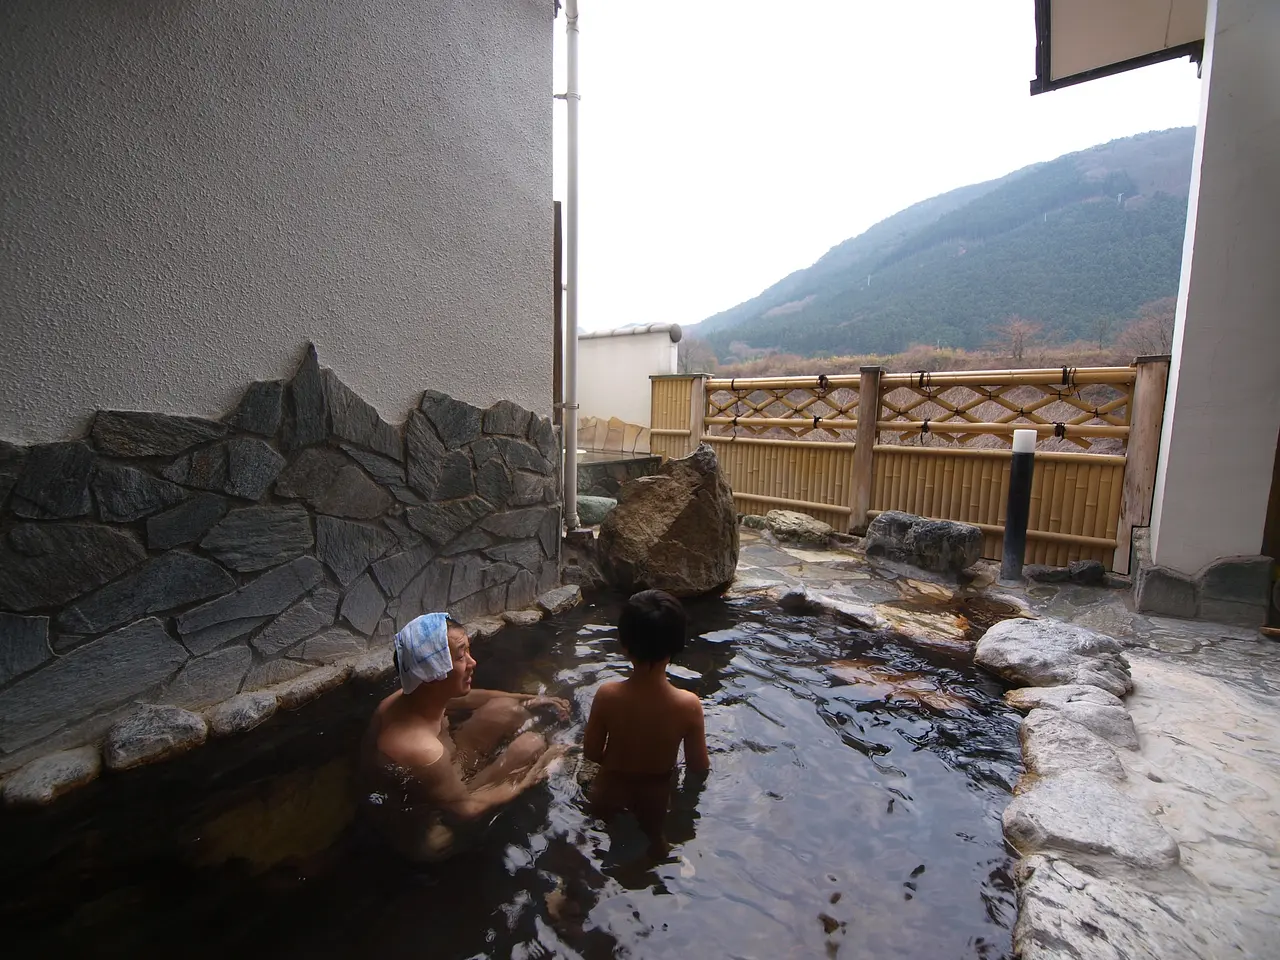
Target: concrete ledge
x=1232, y=590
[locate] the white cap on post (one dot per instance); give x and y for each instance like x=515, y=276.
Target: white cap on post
x=1024, y=441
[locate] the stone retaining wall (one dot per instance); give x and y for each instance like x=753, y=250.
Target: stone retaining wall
x=177, y=560
x=604, y=478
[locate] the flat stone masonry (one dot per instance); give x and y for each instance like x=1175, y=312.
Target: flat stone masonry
x=1233, y=590
x=182, y=561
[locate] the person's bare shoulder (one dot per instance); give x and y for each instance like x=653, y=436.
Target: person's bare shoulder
x=689, y=703
x=410, y=746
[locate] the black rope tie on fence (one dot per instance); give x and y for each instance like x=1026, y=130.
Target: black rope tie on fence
x=924, y=428
x=823, y=383
x=1060, y=430
x=816, y=421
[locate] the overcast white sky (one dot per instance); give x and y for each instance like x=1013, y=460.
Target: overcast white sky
x=725, y=143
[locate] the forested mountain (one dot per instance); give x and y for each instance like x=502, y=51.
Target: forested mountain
x=1067, y=244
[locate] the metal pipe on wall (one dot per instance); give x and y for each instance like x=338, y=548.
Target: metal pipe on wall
x=571, y=98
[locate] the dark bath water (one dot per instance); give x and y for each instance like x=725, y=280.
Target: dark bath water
x=833, y=824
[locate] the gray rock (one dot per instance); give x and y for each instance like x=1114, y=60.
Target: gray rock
x=441, y=522
x=522, y=618
x=373, y=667
x=483, y=628
x=797, y=599
x=126, y=494
x=515, y=524
x=522, y=591
x=753, y=522
x=455, y=478
x=1052, y=745
x=1028, y=698
x=1046, y=574
x=335, y=644
x=185, y=523
x=252, y=466
x=171, y=580
x=1112, y=724
x=1044, y=653
x=593, y=510
x=294, y=693
x=942, y=546
x=560, y=600
x=357, y=421
x=310, y=474
x=45, y=565
x=798, y=528
x=1244, y=580
x=91, y=679
x=467, y=542
x=505, y=417
x=201, y=642
x=398, y=570
x=549, y=576
x=471, y=574
x=348, y=548
x=1163, y=591
x=402, y=532
x=1088, y=573
x=209, y=679
x=456, y=423
x=428, y=592
x=125, y=433
x=479, y=604
x=549, y=533
x=307, y=422
x=204, y=469
x=363, y=605
x=352, y=494
x=298, y=622
x=54, y=483
x=1065, y=913
x=532, y=488
x=542, y=434
x=386, y=472
x=425, y=454
x=1086, y=813
x=260, y=409
x=152, y=733
x=12, y=458
x=255, y=538
x=523, y=553
x=42, y=781
x=264, y=597
x=241, y=713
x=24, y=644
x=273, y=672
x=522, y=456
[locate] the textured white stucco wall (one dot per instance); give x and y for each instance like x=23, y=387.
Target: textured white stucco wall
x=613, y=374
x=191, y=192
x=1222, y=415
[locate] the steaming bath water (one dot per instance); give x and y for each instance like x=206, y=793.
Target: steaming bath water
x=852, y=810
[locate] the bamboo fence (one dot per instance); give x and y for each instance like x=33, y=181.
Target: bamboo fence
x=846, y=448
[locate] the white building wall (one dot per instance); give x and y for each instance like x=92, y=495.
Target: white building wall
x=191, y=192
x=614, y=371
x=1223, y=411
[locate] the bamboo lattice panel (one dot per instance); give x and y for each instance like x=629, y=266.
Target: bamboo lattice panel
x=1073, y=497
x=816, y=474
x=670, y=411
x=817, y=412
x=1076, y=409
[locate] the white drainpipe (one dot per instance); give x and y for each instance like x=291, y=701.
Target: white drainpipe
x=571, y=98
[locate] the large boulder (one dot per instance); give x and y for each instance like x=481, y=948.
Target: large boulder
x=798, y=528
x=1046, y=653
x=676, y=530
x=943, y=546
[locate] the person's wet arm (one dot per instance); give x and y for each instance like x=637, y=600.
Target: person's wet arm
x=696, y=758
x=596, y=736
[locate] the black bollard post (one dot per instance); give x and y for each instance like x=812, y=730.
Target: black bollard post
x=1019, y=505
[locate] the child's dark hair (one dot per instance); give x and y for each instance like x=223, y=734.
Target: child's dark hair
x=652, y=626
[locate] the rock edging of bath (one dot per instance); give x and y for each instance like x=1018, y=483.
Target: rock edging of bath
x=153, y=733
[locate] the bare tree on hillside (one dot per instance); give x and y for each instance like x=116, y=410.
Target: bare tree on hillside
x=1015, y=335
x=695, y=356
x=1151, y=332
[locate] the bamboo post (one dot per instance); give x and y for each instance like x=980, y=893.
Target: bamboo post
x=697, y=409
x=864, y=451
x=1146, y=418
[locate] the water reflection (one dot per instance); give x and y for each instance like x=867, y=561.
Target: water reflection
x=841, y=816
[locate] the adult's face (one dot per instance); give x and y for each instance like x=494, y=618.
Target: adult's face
x=464, y=665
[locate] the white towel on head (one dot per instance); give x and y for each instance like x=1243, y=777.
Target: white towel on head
x=422, y=649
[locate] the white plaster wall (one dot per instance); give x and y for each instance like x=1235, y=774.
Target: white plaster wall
x=1223, y=413
x=192, y=191
x=613, y=374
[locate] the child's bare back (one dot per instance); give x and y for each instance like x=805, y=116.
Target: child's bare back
x=637, y=725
